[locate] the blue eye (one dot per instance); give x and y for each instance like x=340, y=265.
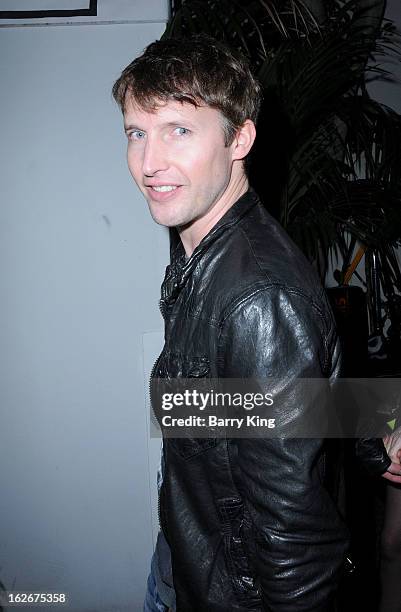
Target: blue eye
x=136, y=135
x=181, y=131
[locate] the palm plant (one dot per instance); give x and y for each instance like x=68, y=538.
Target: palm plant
x=327, y=160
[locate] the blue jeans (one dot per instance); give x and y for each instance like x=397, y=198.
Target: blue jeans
x=152, y=602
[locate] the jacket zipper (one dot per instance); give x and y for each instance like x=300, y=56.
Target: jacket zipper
x=152, y=372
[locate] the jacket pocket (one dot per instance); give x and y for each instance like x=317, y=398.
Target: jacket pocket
x=177, y=366
x=191, y=447
x=174, y=365
x=232, y=517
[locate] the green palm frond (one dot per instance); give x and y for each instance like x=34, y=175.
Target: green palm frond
x=254, y=27
x=373, y=139
x=311, y=79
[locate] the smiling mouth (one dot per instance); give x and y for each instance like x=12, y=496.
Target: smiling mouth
x=164, y=188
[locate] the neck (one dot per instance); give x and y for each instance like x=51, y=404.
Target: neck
x=192, y=234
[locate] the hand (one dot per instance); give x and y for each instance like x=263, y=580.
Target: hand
x=392, y=443
x=393, y=473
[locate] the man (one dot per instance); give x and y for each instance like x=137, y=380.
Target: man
x=249, y=522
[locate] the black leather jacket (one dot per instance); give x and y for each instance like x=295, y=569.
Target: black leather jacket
x=372, y=453
x=250, y=522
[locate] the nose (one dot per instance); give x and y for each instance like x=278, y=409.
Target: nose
x=154, y=157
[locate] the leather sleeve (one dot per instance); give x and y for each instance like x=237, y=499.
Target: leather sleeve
x=300, y=539
x=372, y=454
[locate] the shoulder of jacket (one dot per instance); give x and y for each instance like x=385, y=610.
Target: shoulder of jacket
x=276, y=296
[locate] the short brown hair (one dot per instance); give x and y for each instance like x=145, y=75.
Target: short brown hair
x=199, y=70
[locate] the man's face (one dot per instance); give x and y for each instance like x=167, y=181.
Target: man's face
x=178, y=159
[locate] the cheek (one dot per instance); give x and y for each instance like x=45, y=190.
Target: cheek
x=134, y=166
x=221, y=167
x=207, y=165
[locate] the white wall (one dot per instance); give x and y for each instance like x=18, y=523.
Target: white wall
x=81, y=264
x=390, y=93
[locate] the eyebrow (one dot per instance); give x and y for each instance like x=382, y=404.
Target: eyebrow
x=180, y=124
x=131, y=127
x=168, y=124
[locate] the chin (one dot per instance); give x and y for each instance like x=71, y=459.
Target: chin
x=164, y=223
x=163, y=217
x=165, y=220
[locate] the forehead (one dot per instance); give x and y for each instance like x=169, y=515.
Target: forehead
x=171, y=112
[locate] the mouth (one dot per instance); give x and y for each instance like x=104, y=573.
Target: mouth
x=160, y=193
x=163, y=188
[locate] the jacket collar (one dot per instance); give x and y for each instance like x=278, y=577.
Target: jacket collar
x=231, y=217
x=180, y=269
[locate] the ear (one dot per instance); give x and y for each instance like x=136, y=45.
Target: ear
x=244, y=139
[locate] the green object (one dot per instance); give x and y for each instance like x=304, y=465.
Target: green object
x=391, y=424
